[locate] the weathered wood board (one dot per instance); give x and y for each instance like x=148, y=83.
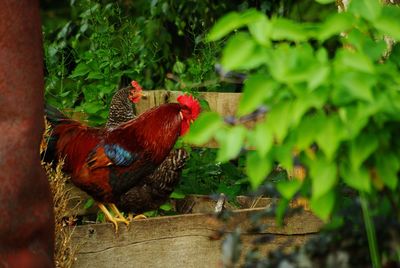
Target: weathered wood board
x=180, y=241
x=220, y=102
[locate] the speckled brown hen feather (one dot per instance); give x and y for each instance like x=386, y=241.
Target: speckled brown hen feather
x=154, y=189
x=121, y=108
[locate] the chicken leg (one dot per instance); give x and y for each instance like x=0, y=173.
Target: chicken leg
x=114, y=220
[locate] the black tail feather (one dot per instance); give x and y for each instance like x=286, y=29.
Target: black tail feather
x=53, y=115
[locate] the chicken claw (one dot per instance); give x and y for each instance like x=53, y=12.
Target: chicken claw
x=137, y=217
x=114, y=220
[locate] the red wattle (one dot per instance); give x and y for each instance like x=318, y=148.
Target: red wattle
x=184, y=127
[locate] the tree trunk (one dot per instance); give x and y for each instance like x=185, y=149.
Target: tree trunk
x=26, y=211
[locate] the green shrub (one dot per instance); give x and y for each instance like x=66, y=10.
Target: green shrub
x=346, y=104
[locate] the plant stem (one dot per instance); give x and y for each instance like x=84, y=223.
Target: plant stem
x=370, y=229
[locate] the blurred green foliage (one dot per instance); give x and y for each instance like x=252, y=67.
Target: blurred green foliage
x=345, y=102
x=335, y=108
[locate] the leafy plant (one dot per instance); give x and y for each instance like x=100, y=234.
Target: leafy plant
x=90, y=55
x=337, y=111
x=204, y=174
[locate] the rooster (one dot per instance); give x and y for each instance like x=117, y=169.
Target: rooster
x=105, y=162
x=155, y=189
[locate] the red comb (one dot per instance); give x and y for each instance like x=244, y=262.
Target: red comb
x=192, y=103
x=136, y=85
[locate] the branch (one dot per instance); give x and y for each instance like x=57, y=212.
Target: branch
x=260, y=111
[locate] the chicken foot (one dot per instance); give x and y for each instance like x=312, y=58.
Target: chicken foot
x=113, y=219
x=137, y=217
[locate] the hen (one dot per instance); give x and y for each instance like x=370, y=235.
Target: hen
x=106, y=163
x=121, y=108
x=155, y=189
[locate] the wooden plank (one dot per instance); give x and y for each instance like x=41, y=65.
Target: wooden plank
x=220, y=102
x=179, y=241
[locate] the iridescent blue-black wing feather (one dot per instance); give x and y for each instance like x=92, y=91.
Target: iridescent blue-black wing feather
x=118, y=155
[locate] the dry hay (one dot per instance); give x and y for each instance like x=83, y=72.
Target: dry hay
x=64, y=249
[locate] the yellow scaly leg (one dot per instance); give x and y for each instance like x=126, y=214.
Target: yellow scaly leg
x=119, y=217
x=108, y=215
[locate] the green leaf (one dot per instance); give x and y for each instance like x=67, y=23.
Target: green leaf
x=100, y=217
x=361, y=148
x=387, y=166
x=318, y=76
x=358, y=179
x=284, y=29
x=261, y=31
x=166, y=207
x=225, y=25
x=176, y=195
x=369, y=9
x=388, y=22
x=292, y=64
x=257, y=58
x=205, y=106
x=288, y=188
x=374, y=48
x=261, y=139
x=233, y=21
x=92, y=107
x=237, y=51
x=151, y=213
x=279, y=120
x=281, y=208
x=355, y=117
x=179, y=67
x=306, y=131
x=95, y=75
x=325, y=1
x=329, y=136
x=251, y=16
x=255, y=90
x=323, y=206
x=354, y=60
x=204, y=128
x=324, y=176
x=283, y=154
x=89, y=203
x=80, y=70
x=334, y=25
x=231, y=142
x=354, y=86
x=257, y=168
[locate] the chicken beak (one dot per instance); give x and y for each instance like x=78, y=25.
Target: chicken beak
x=181, y=115
x=142, y=94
